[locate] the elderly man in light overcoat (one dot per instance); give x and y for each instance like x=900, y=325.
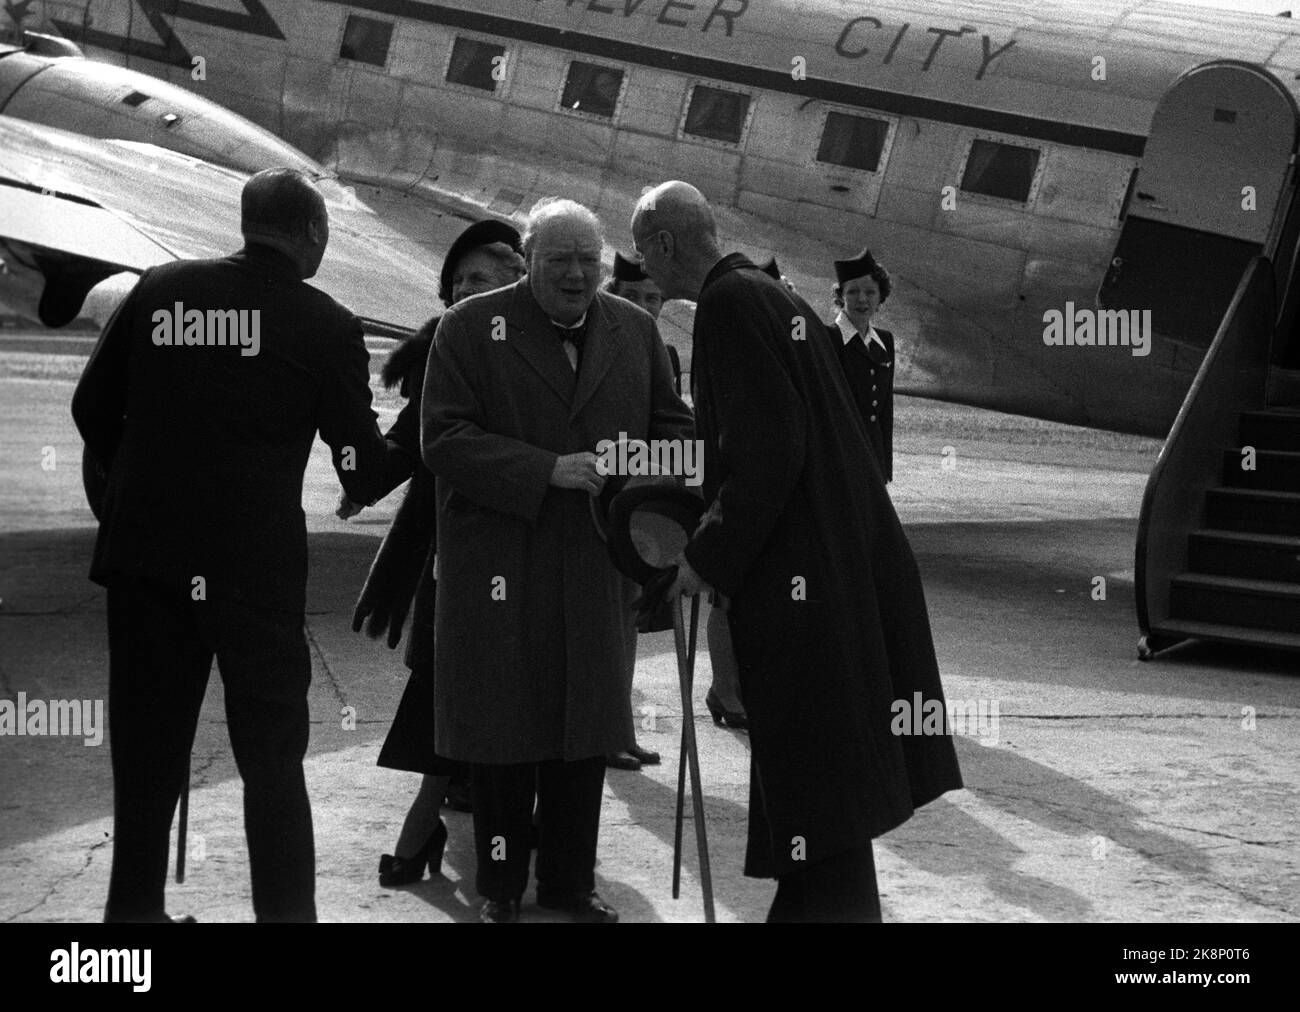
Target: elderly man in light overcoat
x=523, y=384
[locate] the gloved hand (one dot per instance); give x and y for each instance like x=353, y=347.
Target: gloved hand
x=395, y=574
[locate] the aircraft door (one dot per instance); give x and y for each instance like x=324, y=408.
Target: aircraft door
x=1204, y=198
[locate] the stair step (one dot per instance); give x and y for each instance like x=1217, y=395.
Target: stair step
x=1274, y=469
x=1256, y=604
x=1260, y=511
x=1245, y=555
x=1271, y=429
x=1230, y=634
x=1283, y=387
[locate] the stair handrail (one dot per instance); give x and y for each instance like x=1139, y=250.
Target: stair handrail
x=1233, y=378
x=1284, y=250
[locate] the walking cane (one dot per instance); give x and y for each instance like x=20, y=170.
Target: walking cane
x=689, y=757
x=182, y=825
x=682, y=759
x=645, y=527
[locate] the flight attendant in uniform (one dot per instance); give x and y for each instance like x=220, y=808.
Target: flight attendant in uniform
x=866, y=352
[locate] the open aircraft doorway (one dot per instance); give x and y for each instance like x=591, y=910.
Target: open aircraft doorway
x=1204, y=199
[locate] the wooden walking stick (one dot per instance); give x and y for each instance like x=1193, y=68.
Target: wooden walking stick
x=686, y=677
x=182, y=825
x=646, y=528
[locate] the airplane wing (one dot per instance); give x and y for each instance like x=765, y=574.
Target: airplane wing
x=105, y=206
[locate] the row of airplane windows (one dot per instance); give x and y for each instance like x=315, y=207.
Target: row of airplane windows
x=848, y=140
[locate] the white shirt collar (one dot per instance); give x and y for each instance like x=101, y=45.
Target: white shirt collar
x=571, y=326
x=848, y=332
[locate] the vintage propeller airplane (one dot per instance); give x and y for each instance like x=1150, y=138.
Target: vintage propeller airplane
x=1014, y=165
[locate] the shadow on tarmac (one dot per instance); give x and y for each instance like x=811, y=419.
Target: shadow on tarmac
x=1010, y=600
x=958, y=844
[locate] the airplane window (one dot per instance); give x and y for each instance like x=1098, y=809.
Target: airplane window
x=716, y=114
x=852, y=141
x=475, y=63
x=1000, y=170
x=366, y=40
x=592, y=88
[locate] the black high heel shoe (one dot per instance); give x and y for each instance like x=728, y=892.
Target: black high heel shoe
x=721, y=715
x=395, y=871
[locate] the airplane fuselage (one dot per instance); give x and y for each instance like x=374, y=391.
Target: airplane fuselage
x=994, y=160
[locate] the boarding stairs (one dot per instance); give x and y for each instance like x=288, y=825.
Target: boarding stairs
x=1218, y=548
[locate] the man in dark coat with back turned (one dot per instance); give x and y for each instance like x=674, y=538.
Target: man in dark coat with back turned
x=202, y=543
x=827, y=612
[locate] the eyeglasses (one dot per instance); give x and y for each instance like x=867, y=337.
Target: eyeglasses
x=637, y=253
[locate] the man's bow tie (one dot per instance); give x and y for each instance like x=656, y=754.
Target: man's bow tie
x=574, y=335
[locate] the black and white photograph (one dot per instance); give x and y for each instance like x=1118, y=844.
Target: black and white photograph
x=650, y=461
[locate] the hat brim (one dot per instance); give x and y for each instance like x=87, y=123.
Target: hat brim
x=649, y=525
x=479, y=233
x=616, y=483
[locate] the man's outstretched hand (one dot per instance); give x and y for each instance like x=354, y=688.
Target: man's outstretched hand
x=346, y=508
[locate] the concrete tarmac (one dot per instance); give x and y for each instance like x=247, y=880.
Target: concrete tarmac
x=1098, y=788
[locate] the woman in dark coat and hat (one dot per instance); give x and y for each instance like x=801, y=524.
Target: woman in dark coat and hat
x=487, y=255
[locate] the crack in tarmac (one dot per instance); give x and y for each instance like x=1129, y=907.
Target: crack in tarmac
x=329, y=675
x=1154, y=856
x=1225, y=836
x=58, y=882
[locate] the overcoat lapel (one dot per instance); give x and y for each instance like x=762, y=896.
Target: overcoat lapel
x=600, y=348
x=532, y=336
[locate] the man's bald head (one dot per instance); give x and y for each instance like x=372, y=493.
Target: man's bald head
x=680, y=209
x=674, y=230
x=282, y=208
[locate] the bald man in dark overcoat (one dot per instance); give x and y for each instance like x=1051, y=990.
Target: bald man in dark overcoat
x=827, y=612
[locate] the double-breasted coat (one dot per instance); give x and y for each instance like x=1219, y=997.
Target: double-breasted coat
x=531, y=614
x=870, y=372
x=827, y=615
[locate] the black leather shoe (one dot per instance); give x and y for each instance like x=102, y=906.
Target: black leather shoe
x=396, y=871
x=622, y=761
x=499, y=911
x=584, y=908
x=646, y=757
x=721, y=715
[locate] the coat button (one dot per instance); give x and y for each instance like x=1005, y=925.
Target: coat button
x=873, y=418
x=875, y=403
